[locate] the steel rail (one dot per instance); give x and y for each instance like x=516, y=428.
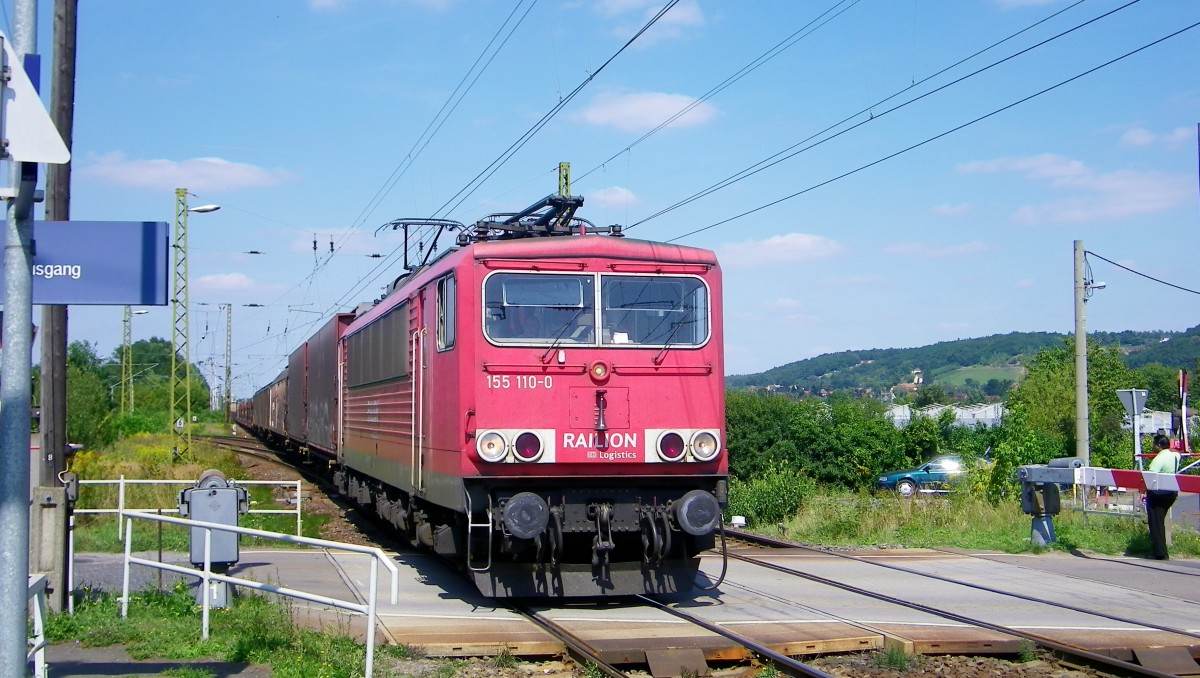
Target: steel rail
x=576, y=647
x=988, y=589
x=781, y=661
x=1063, y=651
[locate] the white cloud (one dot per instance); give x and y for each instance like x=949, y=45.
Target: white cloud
x=642, y=111
x=615, y=7
x=853, y=280
x=684, y=16
x=613, y=196
x=1174, y=140
x=1097, y=196
x=780, y=249
x=1024, y=284
x=927, y=251
x=1137, y=136
x=223, y=282
x=1016, y=4
x=784, y=303
x=948, y=210
x=336, y=4
x=199, y=174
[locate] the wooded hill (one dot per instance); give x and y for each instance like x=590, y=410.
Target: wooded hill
x=1000, y=356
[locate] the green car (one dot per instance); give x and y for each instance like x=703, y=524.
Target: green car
x=933, y=476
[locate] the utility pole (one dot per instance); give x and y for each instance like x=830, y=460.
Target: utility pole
x=181, y=394
x=1081, y=364
x=127, y=359
x=181, y=370
x=228, y=359
x=50, y=524
x=53, y=425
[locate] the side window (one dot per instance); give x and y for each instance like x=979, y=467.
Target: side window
x=446, y=321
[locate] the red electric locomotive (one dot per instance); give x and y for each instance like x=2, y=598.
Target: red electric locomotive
x=543, y=403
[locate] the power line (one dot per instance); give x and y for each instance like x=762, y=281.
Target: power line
x=1148, y=277
x=937, y=136
x=417, y=148
x=779, y=156
x=503, y=158
x=779, y=48
x=478, y=180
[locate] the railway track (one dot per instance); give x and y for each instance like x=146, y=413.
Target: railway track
x=1066, y=652
x=588, y=655
x=583, y=653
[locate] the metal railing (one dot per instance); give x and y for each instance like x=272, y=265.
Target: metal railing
x=37, y=643
x=207, y=576
x=122, y=483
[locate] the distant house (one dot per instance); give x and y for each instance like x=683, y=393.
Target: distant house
x=964, y=415
x=917, y=376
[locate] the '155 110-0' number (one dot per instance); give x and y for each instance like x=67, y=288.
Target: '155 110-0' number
x=519, y=381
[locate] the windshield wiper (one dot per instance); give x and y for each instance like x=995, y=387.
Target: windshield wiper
x=670, y=338
x=562, y=331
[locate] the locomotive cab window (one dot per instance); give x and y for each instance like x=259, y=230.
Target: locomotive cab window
x=539, y=309
x=445, y=313
x=653, y=311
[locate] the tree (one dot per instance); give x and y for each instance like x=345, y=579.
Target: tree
x=1163, y=384
x=88, y=408
x=931, y=394
x=1046, y=400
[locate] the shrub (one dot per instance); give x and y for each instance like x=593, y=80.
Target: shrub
x=771, y=497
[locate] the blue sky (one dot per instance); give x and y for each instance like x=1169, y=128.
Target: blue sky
x=297, y=118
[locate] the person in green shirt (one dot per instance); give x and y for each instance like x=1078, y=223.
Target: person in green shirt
x=1158, y=502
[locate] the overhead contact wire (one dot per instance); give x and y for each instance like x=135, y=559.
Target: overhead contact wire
x=778, y=157
x=1148, y=277
x=477, y=181
x=939, y=136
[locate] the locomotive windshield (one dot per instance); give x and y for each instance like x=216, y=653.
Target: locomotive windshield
x=538, y=309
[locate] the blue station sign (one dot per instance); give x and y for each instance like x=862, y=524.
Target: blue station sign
x=100, y=262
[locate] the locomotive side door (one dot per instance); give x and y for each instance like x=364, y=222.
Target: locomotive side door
x=420, y=384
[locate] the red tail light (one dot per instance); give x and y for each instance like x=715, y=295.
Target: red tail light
x=528, y=447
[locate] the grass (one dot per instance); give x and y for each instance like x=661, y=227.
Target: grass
x=149, y=457
x=981, y=375
x=167, y=625
x=965, y=521
x=894, y=657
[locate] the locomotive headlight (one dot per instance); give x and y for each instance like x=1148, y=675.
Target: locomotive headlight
x=599, y=371
x=705, y=446
x=528, y=446
x=670, y=446
x=491, y=446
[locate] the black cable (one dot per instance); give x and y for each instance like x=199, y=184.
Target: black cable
x=418, y=147
x=758, y=61
x=524, y=138
x=776, y=158
x=390, y=182
x=939, y=136
x=1148, y=277
x=477, y=181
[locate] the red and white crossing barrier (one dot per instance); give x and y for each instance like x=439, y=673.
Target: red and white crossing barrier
x=1140, y=480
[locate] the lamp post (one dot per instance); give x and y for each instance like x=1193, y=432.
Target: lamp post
x=127, y=356
x=181, y=394
x=228, y=389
